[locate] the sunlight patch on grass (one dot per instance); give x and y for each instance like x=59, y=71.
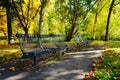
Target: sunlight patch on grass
x=8, y=51
x=3, y=42
x=9, y=54
x=111, y=44
x=117, y=50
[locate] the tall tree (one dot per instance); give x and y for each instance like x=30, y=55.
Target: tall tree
x=9, y=21
x=7, y=4
x=97, y=10
x=73, y=13
x=108, y=21
x=41, y=14
x=41, y=19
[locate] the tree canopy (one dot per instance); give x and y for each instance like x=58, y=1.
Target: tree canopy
x=67, y=17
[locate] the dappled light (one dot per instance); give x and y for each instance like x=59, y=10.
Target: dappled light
x=59, y=40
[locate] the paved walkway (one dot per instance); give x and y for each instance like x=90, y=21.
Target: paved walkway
x=70, y=68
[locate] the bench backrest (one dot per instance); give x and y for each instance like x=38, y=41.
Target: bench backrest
x=29, y=42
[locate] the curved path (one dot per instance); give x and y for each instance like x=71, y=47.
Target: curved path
x=70, y=68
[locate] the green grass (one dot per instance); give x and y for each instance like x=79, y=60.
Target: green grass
x=110, y=66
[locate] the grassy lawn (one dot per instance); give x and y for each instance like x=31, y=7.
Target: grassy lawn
x=9, y=53
x=107, y=67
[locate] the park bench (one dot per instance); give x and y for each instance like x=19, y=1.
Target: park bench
x=31, y=47
x=81, y=40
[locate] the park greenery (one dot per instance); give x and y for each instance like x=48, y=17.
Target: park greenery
x=96, y=20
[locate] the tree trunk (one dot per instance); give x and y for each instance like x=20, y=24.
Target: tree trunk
x=71, y=32
x=41, y=14
x=9, y=25
x=108, y=21
x=41, y=20
x=94, y=27
x=26, y=30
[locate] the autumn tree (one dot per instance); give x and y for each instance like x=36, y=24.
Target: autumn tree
x=3, y=28
x=73, y=13
x=26, y=12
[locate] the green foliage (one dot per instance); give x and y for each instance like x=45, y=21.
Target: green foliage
x=102, y=9
x=53, y=39
x=109, y=68
x=59, y=15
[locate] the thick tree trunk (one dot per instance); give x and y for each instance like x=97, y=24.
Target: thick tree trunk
x=26, y=30
x=71, y=32
x=9, y=25
x=108, y=21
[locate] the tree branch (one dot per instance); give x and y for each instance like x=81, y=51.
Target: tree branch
x=18, y=15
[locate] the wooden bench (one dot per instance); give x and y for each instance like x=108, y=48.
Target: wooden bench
x=31, y=47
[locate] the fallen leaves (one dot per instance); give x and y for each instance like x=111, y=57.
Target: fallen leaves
x=12, y=68
x=89, y=76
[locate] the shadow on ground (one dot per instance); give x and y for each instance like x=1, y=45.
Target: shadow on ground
x=72, y=67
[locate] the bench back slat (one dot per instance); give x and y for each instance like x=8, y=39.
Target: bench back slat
x=31, y=41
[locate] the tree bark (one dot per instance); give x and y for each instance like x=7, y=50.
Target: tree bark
x=108, y=21
x=70, y=34
x=41, y=14
x=9, y=23
x=94, y=27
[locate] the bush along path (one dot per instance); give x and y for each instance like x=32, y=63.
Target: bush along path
x=106, y=67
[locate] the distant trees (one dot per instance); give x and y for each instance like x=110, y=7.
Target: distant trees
x=104, y=19
x=97, y=10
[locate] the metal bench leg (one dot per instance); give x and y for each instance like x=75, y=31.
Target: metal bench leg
x=24, y=56
x=78, y=46
x=63, y=53
x=35, y=60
